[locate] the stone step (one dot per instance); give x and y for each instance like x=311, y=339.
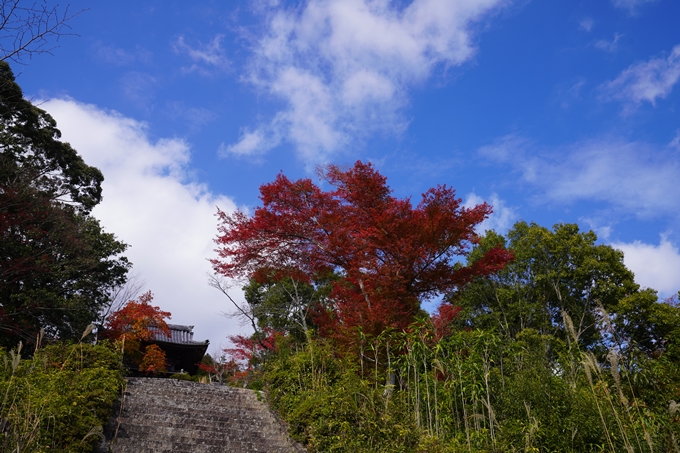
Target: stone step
x=206, y=407
x=155, y=390
x=164, y=415
x=189, y=435
x=191, y=401
x=198, y=446
x=206, y=424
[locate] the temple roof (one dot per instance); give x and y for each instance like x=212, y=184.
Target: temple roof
x=179, y=334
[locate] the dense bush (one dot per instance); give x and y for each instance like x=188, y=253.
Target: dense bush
x=468, y=391
x=330, y=408
x=60, y=398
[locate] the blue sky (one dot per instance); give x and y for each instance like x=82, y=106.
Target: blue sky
x=553, y=111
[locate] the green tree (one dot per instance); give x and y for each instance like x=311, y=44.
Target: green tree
x=643, y=322
x=281, y=305
x=555, y=272
x=647, y=335
x=57, y=265
x=286, y=304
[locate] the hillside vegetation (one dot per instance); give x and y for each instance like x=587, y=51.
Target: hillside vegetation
x=541, y=340
x=538, y=340
x=60, y=398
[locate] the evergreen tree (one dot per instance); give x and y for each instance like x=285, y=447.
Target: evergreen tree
x=57, y=265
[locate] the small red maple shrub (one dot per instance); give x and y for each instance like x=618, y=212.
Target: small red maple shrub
x=220, y=370
x=154, y=360
x=389, y=255
x=443, y=318
x=135, y=320
x=239, y=365
x=135, y=323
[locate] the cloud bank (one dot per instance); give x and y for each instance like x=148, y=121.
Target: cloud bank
x=151, y=204
x=655, y=266
x=343, y=68
x=634, y=178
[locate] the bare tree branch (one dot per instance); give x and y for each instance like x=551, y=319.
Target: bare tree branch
x=220, y=283
x=120, y=295
x=28, y=29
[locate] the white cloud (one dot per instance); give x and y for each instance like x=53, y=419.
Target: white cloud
x=675, y=143
x=204, y=56
x=655, y=266
x=502, y=218
x=601, y=226
x=630, y=5
x=150, y=204
x=343, y=67
x=509, y=148
x=646, y=81
x=586, y=23
x=634, y=177
x=609, y=46
x=252, y=143
x=120, y=57
x=631, y=175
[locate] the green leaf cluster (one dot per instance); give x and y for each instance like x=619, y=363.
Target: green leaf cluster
x=555, y=272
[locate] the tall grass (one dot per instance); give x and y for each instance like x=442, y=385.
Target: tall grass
x=58, y=399
x=471, y=391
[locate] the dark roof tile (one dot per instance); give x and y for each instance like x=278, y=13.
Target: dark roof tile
x=179, y=334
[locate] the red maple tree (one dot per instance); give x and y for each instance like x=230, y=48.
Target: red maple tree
x=389, y=254
x=154, y=360
x=136, y=322
x=247, y=354
x=442, y=319
x=221, y=370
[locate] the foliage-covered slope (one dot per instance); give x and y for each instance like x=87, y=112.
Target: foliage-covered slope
x=59, y=399
x=473, y=392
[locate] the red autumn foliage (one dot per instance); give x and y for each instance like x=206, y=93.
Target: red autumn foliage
x=221, y=371
x=154, y=360
x=135, y=323
x=135, y=320
x=389, y=254
x=247, y=349
x=442, y=319
x=246, y=355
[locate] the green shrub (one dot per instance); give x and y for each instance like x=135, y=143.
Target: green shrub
x=468, y=392
x=184, y=377
x=60, y=399
x=331, y=409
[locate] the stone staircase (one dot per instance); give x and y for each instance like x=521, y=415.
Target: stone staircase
x=167, y=415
